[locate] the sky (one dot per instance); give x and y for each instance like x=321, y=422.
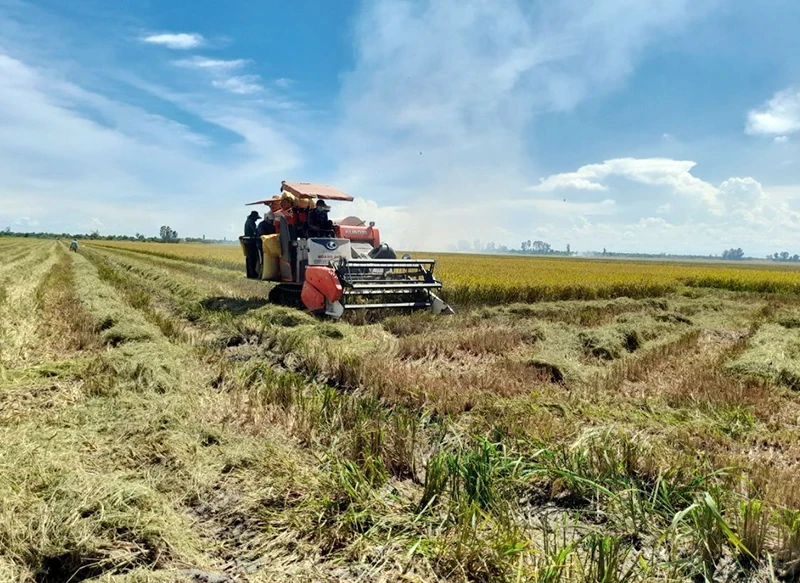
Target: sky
x=633, y=125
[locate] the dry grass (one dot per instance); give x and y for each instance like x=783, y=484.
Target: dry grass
x=19, y=323
x=183, y=424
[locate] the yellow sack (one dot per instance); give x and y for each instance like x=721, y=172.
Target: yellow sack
x=271, y=245
x=271, y=251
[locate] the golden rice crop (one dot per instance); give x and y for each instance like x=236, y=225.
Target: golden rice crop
x=224, y=256
x=509, y=278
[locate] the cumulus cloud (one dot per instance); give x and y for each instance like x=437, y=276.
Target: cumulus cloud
x=443, y=91
x=675, y=174
x=432, y=132
x=739, y=211
x=780, y=115
x=438, y=109
x=178, y=41
x=567, y=181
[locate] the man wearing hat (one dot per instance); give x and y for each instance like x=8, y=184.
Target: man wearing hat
x=252, y=245
x=318, y=223
x=250, y=229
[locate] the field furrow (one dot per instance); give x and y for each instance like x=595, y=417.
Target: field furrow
x=19, y=316
x=172, y=424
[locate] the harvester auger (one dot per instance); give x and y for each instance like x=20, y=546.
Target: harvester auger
x=329, y=267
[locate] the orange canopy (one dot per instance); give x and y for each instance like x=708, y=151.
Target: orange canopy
x=322, y=191
x=308, y=190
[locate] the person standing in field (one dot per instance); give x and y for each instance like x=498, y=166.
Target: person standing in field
x=74, y=245
x=250, y=229
x=252, y=245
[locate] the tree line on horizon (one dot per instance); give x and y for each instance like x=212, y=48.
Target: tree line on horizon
x=166, y=235
x=528, y=247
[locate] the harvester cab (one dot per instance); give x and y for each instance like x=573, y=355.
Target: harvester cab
x=329, y=267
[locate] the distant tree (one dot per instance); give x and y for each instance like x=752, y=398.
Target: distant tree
x=733, y=254
x=541, y=247
x=784, y=256
x=168, y=235
x=94, y=235
x=569, y=252
x=525, y=245
x=491, y=247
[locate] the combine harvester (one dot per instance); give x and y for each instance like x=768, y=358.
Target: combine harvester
x=330, y=267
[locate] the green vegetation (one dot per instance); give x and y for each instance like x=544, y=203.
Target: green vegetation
x=160, y=421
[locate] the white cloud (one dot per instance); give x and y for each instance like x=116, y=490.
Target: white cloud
x=210, y=64
x=69, y=156
x=432, y=132
x=780, y=115
x=781, y=139
x=241, y=84
x=178, y=41
x=443, y=91
x=675, y=174
x=742, y=191
x=220, y=72
x=438, y=110
x=567, y=180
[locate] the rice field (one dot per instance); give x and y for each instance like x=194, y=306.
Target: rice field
x=500, y=279
x=161, y=422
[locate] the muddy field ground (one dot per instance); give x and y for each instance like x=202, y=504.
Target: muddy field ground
x=159, y=421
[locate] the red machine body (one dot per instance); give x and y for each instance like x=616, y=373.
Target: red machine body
x=321, y=284
x=358, y=234
x=329, y=267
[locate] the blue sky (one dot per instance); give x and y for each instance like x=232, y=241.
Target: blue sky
x=661, y=125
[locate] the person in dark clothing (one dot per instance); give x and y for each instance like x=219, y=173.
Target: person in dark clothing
x=250, y=229
x=252, y=245
x=267, y=226
x=318, y=223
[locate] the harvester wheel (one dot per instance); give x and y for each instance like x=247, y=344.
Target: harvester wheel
x=286, y=295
